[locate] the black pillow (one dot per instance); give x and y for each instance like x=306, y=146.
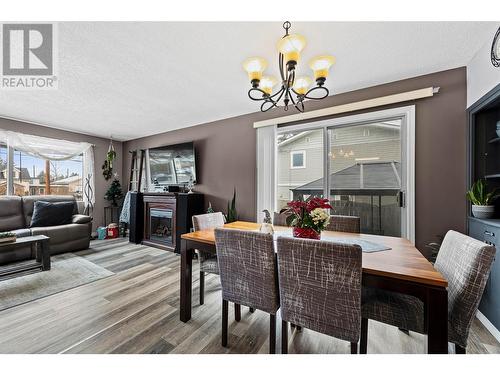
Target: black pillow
x=46, y=214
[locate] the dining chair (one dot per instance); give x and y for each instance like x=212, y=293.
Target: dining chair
x=248, y=273
x=341, y=223
x=320, y=288
x=208, y=262
x=465, y=263
x=279, y=219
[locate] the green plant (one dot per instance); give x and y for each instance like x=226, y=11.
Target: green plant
x=210, y=210
x=107, y=167
x=114, y=192
x=7, y=235
x=479, y=195
x=232, y=214
x=310, y=213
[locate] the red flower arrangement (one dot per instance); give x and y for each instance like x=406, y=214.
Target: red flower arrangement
x=308, y=218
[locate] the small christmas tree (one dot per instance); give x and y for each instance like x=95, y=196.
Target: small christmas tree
x=114, y=192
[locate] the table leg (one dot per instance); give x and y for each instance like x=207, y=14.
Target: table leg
x=45, y=250
x=437, y=320
x=38, y=251
x=186, y=280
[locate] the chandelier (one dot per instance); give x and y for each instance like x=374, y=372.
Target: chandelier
x=293, y=90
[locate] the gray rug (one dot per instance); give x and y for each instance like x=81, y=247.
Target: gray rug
x=67, y=271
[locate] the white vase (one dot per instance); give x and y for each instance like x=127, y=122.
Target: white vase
x=483, y=212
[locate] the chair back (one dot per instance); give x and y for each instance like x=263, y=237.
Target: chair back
x=280, y=219
x=320, y=286
x=341, y=223
x=208, y=221
x=247, y=268
x=465, y=263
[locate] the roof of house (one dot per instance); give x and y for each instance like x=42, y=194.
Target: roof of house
x=68, y=180
x=25, y=174
x=373, y=178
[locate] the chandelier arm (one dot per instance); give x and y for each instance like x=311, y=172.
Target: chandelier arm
x=280, y=61
x=273, y=105
x=276, y=94
x=264, y=95
x=300, y=106
x=291, y=79
x=281, y=92
x=327, y=92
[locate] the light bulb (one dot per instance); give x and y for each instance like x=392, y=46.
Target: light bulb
x=320, y=65
x=267, y=83
x=301, y=85
x=291, y=46
x=254, y=66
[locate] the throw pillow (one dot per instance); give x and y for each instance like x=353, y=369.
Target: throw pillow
x=47, y=214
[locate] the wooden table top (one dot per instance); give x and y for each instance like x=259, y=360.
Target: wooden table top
x=403, y=261
x=25, y=240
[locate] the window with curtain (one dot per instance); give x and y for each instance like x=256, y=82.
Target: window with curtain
x=30, y=175
x=3, y=168
x=45, y=166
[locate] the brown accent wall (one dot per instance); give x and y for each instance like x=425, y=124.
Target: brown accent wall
x=101, y=148
x=226, y=152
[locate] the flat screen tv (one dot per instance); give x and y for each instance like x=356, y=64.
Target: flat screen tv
x=172, y=165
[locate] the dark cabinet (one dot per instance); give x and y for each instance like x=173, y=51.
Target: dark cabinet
x=167, y=216
x=484, y=163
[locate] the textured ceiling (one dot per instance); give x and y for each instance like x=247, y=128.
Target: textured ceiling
x=129, y=80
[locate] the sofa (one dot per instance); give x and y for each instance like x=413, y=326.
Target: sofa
x=15, y=216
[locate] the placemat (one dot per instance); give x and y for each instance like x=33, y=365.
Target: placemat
x=366, y=246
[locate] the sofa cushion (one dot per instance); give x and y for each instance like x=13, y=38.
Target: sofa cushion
x=11, y=213
x=29, y=202
x=63, y=238
x=46, y=214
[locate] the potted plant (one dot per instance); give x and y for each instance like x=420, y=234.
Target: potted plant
x=7, y=237
x=482, y=200
x=232, y=214
x=114, y=193
x=308, y=218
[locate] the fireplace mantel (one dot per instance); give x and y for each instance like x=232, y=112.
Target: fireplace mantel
x=167, y=216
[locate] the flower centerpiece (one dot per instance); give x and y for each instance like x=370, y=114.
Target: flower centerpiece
x=308, y=218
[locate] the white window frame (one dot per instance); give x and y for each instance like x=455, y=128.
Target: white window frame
x=267, y=157
x=292, y=153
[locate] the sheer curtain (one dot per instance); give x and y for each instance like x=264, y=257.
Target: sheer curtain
x=54, y=149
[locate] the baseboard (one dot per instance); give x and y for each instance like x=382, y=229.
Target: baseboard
x=489, y=326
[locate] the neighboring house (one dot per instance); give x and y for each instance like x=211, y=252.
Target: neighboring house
x=364, y=172
x=74, y=183
x=22, y=181
x=21, y=174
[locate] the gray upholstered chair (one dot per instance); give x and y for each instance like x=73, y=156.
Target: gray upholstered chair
x=279, y=219
x=465, y=263
x=248, y=273
x=320, y=288
x=341, y=223
x=208, y=262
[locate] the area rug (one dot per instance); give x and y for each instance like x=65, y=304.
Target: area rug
x=67, y=271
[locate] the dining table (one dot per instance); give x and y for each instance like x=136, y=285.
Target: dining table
x=400, y=268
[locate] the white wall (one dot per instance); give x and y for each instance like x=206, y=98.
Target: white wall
x=482, y=76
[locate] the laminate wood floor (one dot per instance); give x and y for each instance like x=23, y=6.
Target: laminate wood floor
x=136, y=311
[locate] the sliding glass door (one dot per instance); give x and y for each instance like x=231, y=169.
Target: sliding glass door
x=365, y=174
x=361, y=163
x=300, y=158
